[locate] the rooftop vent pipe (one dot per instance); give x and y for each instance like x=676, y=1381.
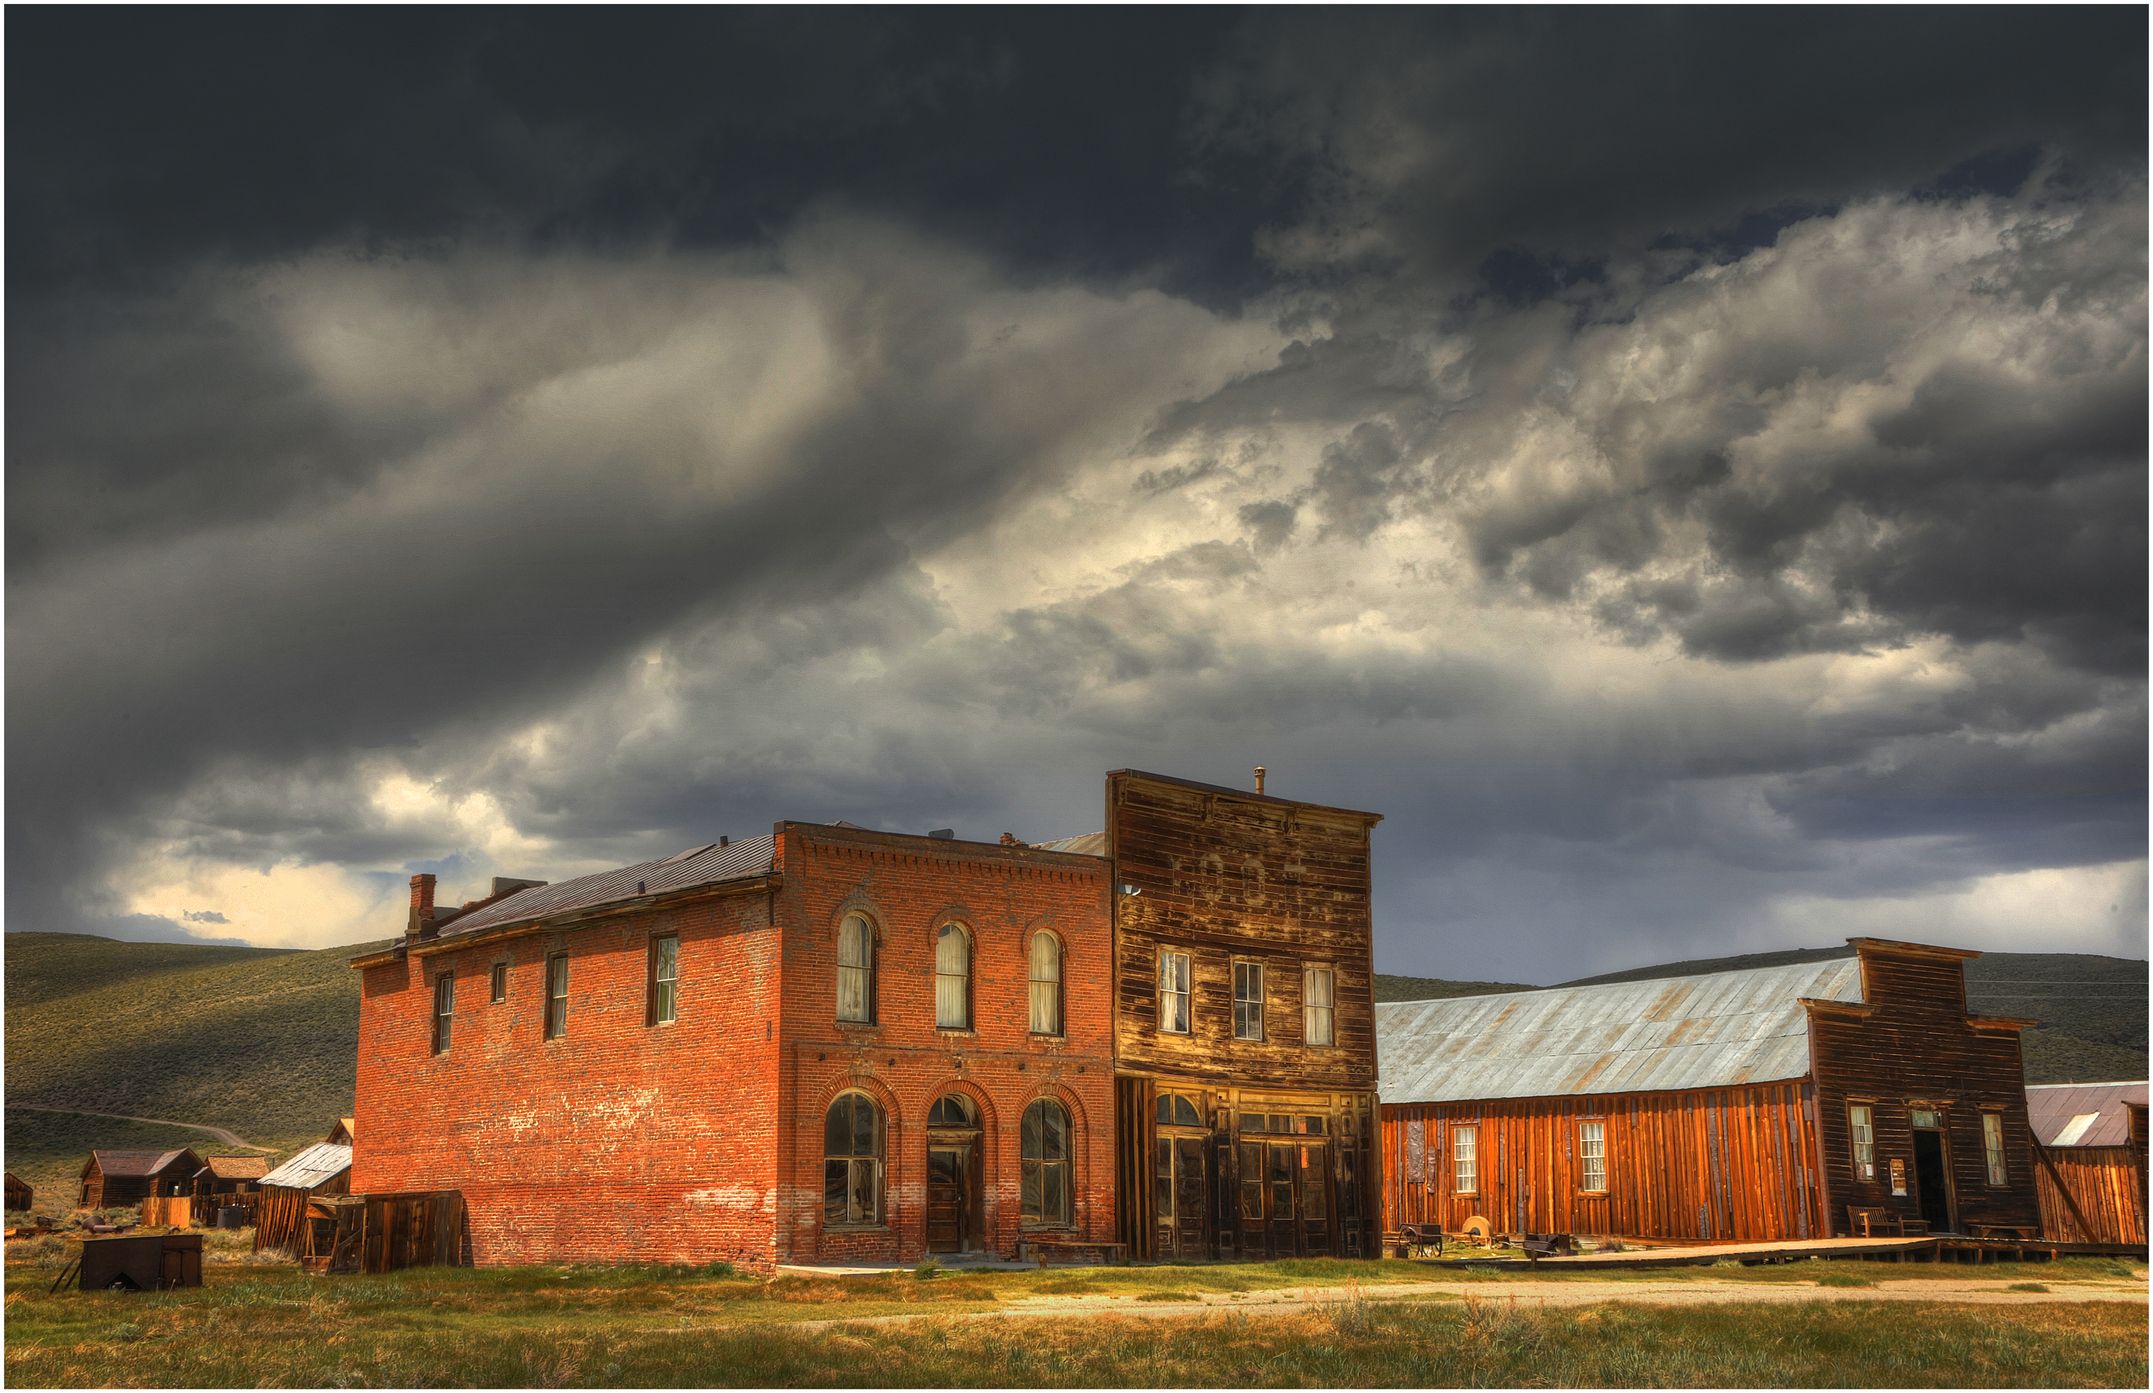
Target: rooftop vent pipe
x=1259, y=778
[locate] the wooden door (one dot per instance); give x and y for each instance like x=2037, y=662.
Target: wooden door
x=1932, y=1180
x=951, y=1204
x=1182, y=1190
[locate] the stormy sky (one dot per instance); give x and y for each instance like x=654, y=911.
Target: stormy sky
x=1686, y=469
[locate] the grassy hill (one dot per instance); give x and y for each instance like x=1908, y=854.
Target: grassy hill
x=1390, y=988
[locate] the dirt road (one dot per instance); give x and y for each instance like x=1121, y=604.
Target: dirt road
x=223, y=1136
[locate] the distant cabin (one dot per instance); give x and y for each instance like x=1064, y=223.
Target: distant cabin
x=2091, y=1148
x=19, y=1195
x=222, y=1176
x=341, y=1134
x=112, y=1179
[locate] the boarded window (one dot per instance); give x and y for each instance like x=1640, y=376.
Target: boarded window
x=1465, y=1160
x=953, y=978
x=1592, y=1156
x=1045, y=1181
x=1861, y=1126
x=556, y=995
x=1248, y=1001
x=1046, y=967
x=444, y=1010
x=664, y=1005
x=856, y=969
x=500, y=983
x=1416, y=1148
x=1992, y=1146
x=852, y=1161
x=1174, y=993
x=1316, y=1006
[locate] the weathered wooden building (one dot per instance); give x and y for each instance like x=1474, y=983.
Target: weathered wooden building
x=280, y=1217
x=1244, y=1032
x=1761, y=1104
x=223, y=1178
x=2090, y=1141
x=19, y=1193
x=113, y=1178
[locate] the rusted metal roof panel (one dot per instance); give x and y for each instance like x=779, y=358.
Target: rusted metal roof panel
x=2083, y=1114
x=685, y=870
x=1714, y=1030
x=317, y=1165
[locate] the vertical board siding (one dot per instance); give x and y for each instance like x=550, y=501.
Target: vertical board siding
x=1706, y=1164
x=2107, y=1186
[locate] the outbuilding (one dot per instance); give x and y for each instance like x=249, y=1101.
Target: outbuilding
x=281, y=1213
x=1853, y=1096
x=115, y=1178
x=19, y=1194
x=2091, y=1148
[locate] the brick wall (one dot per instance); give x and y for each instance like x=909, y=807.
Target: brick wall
x=909, y=887
x=619, y=1142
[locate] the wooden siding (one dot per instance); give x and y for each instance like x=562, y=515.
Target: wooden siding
x=2106, y=1188
x=1229, y=877
x=1912, y=1044
x=1721, y=1164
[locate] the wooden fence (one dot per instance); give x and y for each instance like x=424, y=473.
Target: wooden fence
x=2091, y=1194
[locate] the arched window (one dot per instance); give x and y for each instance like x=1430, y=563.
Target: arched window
x=1046, y=1193
x=1046, y=984
x=852, y=1161
x=856, y=969
x=953, y=978
x=1177, y=1111
x=952, y=1110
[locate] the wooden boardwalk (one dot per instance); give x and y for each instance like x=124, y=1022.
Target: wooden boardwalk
x=1924, y=1248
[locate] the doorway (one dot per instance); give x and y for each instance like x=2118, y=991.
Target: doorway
x=1932, y=1180
x=954, y=1213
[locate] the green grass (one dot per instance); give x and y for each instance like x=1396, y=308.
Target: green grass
x=647, y=1327
x=1392, y=988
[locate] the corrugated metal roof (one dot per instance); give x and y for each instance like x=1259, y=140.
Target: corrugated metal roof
x=316, y=1165
x=685, y=870
x=1712, y=1030
x=128, y=1162
x=2083, y=1114
x=1086, y=844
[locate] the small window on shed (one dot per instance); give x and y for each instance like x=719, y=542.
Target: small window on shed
x=664, y=1006
x=1992, y=1146
x=1861, y=1127
x=500, y=983
x=444, y=1010
x=1592, y=1157
x=556, y=995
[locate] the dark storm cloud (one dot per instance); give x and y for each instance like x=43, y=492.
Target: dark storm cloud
x=1686, y=468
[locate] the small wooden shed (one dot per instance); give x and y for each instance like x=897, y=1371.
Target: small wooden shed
x=323, y=1169
x=19, y=1194
x=222, y=1177
x=2091, y=1154
x=113, y=1178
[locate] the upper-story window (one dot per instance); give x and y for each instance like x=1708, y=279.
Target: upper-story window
x=556, y=995
x=953, y=978
x=444, y=1010
x=856, y=969
x=500, y=983
x=664, y=1004
x=1317, y=1006
x=1174, y=992
x=1248, y=1001
x=1046, y=972
x=1861, y=1129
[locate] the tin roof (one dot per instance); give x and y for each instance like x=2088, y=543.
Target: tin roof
x=2083, y=1114
x=685, y=870
x=1712, y=1030
x=1085, y=844
x=319, y=1163
x=127, y=1162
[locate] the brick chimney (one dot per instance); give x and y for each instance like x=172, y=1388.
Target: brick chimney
x=422, y=904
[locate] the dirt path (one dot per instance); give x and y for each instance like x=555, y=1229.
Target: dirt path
x=223, y=1136
x=1530, y=1294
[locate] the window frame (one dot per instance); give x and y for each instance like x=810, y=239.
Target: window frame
x=497, y=987
x=1329, y=974
x=871, y=936
x=963, y=935
x=1260, y=1002
x=1186, y=993
x=444, y=1021
x=556, y=1003
x=875, y=1158
x=660, y=1005
x=1586, y=1158
x=1034, y=982
x=1996, y=1162
x=1468, y=1132
x=1029, y=1165
x=1857, y=1144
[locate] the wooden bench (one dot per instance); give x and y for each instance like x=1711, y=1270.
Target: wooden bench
x=1048, y=1251
x=1875, y=1221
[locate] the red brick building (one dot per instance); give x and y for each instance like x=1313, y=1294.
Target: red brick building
x=825, y=1044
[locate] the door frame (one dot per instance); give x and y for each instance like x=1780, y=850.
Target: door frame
x=1942, y=1132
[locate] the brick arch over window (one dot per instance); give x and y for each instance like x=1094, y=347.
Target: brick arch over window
x=1075, y=1164
x=982, y=1103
